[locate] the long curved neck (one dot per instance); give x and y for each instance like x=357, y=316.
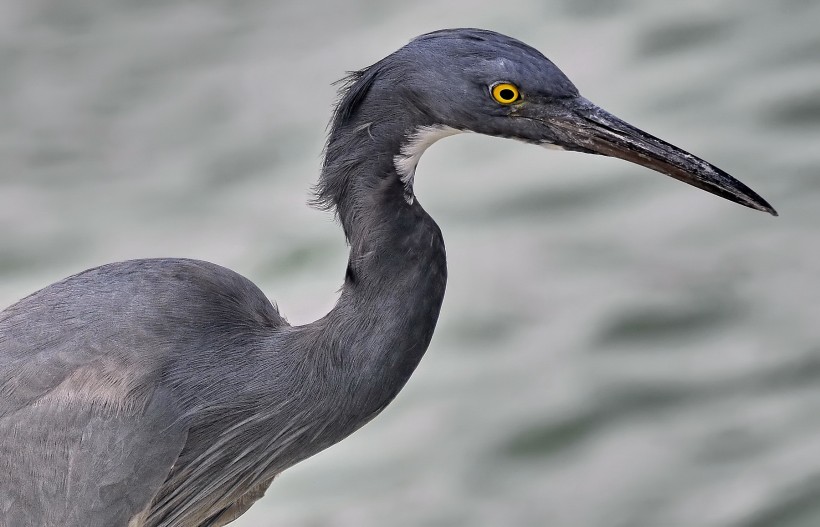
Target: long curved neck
x=396, y=275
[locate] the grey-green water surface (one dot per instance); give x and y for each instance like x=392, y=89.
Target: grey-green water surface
x=615, y=348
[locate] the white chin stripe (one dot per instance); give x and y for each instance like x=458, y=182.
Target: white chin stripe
x=410, y=153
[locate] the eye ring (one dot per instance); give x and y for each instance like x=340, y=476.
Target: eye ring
x=505, y=92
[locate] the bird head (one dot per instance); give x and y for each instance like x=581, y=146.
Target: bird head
x=474, y=80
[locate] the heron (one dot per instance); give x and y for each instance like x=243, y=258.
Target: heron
x=171, y=392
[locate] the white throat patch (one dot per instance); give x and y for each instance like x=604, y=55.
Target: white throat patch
x=410, y=153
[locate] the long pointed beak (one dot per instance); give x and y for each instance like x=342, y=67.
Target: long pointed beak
x=577, y=124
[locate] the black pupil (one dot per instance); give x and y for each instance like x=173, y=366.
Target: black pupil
x=506, y=94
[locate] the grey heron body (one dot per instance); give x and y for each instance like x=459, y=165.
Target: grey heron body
x=170, y=392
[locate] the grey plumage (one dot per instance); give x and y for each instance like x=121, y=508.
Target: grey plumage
x=170, y=392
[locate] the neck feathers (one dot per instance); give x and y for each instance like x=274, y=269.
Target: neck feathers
x=383, y=322
x=377, y=136
x=351, y=166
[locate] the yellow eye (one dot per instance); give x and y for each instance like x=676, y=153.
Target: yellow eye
x=505, y=93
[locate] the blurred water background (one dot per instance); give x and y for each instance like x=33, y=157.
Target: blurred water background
x=615, y=348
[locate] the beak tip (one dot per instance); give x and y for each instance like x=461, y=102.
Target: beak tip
x=763, y=206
